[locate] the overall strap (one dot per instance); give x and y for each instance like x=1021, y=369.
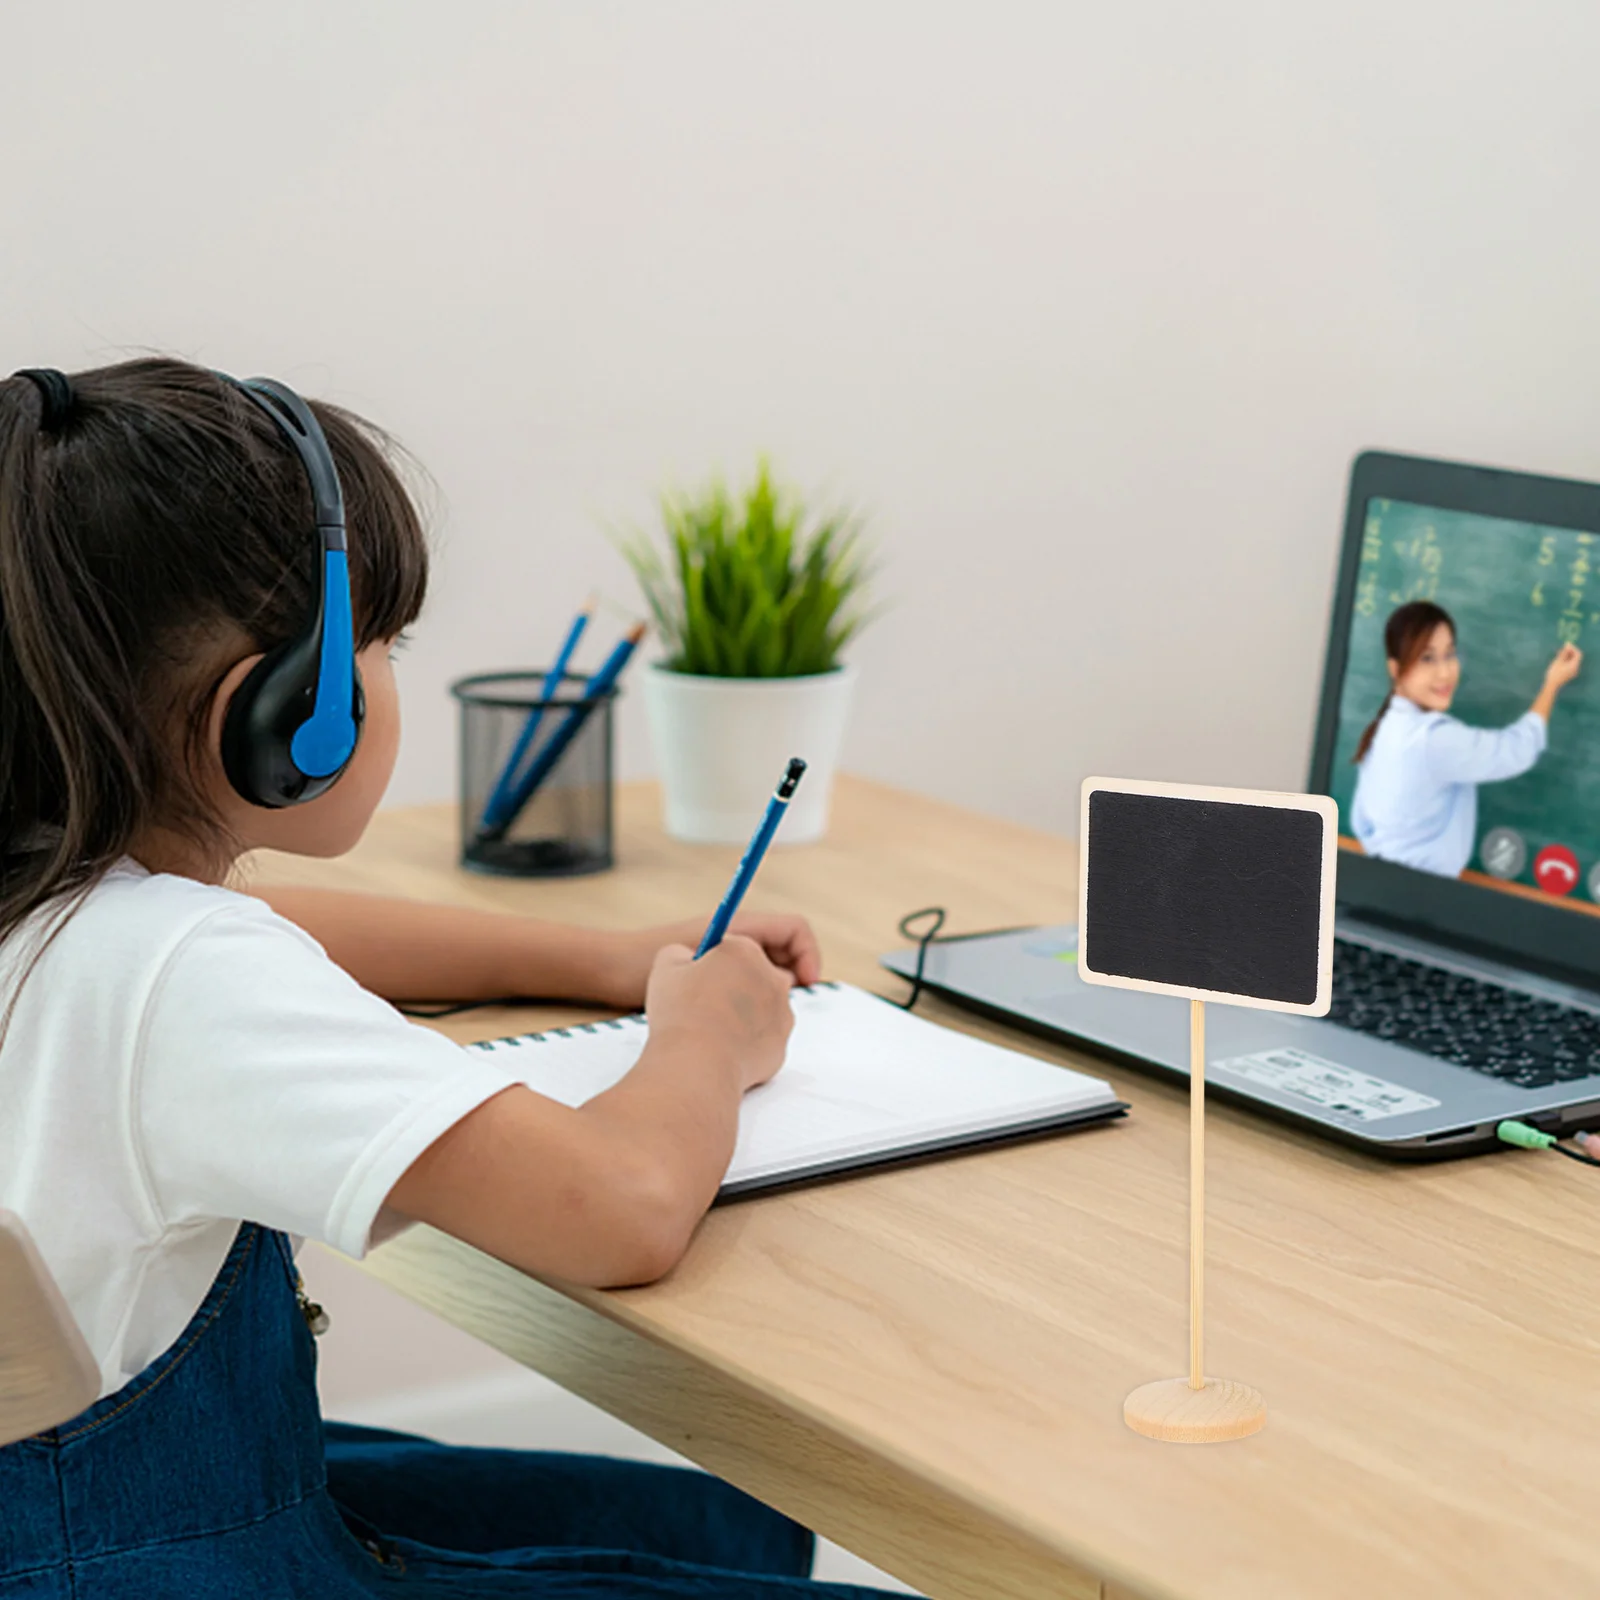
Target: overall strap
x=221, y=1429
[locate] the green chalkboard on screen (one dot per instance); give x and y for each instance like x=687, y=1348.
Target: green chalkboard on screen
x=1517, y=591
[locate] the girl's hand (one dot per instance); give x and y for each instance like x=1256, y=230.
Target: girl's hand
x=1564, y=668
x=626, y=958
x=733, y=1003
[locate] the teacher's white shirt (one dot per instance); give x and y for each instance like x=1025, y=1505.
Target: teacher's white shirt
x=1416, y=799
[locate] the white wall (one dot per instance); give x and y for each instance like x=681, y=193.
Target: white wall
x=1090, y=304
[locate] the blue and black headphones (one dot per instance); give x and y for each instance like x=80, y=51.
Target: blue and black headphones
x=293, y=724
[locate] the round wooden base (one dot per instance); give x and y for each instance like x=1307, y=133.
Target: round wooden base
x=1171, y=1410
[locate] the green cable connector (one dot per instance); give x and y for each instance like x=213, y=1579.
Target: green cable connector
x=1519, y=1133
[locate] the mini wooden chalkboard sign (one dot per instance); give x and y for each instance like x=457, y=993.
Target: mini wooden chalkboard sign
x=1210, y=894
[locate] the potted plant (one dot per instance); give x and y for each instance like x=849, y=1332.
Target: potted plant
x=753, y=610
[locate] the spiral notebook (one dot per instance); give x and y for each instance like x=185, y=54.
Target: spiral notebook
x=865, y=1084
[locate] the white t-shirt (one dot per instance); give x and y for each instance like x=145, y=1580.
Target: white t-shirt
x=181, y=1060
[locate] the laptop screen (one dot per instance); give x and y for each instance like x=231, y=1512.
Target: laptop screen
x=1460, y=732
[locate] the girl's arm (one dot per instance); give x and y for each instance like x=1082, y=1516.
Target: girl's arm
x=610, y=1193
x=414, y=950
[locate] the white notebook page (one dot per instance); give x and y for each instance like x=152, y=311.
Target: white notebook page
x=862, y=1078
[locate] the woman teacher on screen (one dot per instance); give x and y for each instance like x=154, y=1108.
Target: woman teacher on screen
x=1416, y=799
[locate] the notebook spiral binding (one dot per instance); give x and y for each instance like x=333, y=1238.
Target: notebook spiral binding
x=614, y=1024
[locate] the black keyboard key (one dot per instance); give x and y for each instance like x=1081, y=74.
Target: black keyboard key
x=1502, y=1033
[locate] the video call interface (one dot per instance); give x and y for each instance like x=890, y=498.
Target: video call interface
x=1456, y=779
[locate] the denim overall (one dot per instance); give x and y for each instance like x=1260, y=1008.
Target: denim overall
x=212, y=1475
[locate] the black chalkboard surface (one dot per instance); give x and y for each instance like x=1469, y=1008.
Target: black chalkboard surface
x=1216, y=894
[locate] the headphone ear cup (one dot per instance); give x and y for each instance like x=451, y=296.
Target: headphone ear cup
x=266, y=711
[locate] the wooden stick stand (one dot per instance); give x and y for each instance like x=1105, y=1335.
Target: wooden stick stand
x=1196, y=1409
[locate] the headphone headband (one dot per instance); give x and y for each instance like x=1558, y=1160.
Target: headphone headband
x=293, y=724
x=298, y=424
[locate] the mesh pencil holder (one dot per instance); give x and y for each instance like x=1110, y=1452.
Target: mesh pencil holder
x=527, y=811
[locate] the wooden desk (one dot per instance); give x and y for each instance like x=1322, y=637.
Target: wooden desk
x=929, y=1366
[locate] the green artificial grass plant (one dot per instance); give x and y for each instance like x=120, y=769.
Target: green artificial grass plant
x=743, y=590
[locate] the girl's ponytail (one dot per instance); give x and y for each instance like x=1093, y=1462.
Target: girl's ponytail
x=1368, y=733
x=154, y=530
x=75, y=755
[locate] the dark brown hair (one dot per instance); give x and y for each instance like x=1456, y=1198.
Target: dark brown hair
x=150, y=539
x=1405, y=637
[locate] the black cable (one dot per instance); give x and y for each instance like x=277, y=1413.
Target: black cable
x=1575, y=1155
x=923, y=940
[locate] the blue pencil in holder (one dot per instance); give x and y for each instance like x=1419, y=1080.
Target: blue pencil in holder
x=501, y=806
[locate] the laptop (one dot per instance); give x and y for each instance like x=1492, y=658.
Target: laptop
x=1466, y=976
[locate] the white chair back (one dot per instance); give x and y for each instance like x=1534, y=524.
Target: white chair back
x=46, y=1371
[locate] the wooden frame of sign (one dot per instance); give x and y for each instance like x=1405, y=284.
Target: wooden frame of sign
x=1208, y=894
x=47, y=1373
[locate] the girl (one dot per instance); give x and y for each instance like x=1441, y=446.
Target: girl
x=189, y=1076
x=1416, y=799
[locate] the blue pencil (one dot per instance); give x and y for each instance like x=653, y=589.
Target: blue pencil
x=499, y=809
x=751, y=859
x=551, y=750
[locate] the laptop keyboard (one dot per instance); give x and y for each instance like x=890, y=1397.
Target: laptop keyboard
x=1505, y=1033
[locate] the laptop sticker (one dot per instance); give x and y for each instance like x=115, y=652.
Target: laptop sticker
x=1327, y=1084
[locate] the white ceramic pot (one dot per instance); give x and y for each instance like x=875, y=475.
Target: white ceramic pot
x=722, y=743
